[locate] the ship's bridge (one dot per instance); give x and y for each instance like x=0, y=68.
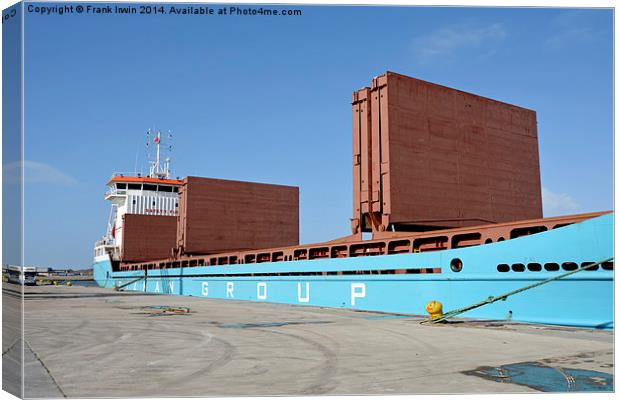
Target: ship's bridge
x=135, y=194
x=152, y=194
x=144, y=195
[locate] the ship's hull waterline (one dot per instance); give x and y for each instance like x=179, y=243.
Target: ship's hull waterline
x=404, y=283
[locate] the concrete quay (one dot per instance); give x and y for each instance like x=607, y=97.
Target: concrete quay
x=93, y=342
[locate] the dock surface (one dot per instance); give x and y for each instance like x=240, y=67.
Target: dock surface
x=94, y=342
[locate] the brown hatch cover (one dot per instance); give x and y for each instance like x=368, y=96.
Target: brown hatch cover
x=427, y=157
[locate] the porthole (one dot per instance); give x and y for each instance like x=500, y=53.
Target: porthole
x=489, y=240
x=586, y=263
x=500, y=239
x=552, y=267
x=456, y=265
x=608, y=265
x=534, y=267
x=569, y=266
x=503, y=268
x=518, y=267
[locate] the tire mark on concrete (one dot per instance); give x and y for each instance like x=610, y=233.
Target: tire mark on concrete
x=323, y=383
x=223, y=359
x=226, y=357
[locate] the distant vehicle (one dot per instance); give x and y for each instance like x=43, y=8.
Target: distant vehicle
x=22, y=276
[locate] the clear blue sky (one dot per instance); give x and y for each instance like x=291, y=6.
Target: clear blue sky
x=267, y=99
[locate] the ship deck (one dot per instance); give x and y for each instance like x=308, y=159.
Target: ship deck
x=94, y=342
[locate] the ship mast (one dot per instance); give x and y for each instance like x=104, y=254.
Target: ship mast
x=157, y=168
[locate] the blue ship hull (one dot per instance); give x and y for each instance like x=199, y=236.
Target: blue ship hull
x=583, y=299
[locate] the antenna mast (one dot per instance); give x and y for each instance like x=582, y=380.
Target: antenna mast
x=157, y=168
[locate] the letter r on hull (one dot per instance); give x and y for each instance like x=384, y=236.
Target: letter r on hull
x=230, y=287
x=358, y=291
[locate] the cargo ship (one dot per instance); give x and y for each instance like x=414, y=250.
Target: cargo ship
x=447, y=183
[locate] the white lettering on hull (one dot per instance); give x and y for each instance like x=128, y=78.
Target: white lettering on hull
x=261, y=291
x=358, y=291
x=230, y=287
x=303, y=298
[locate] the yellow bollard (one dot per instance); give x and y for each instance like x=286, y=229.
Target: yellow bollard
x=435, y=309
x=55, y=283
x=69, y=283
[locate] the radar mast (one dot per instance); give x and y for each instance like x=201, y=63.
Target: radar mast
x=159, y=167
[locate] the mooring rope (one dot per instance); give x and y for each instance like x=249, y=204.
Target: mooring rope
x=493, y=299
x=129, y=283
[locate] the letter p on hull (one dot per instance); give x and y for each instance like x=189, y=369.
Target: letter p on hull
x=358, y=291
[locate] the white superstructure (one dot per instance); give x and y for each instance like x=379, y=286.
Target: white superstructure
x=153, y=194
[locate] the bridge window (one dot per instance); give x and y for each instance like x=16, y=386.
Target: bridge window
x=134, y=186
x=150, y=187
x=121, y=186
x=163, y=188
